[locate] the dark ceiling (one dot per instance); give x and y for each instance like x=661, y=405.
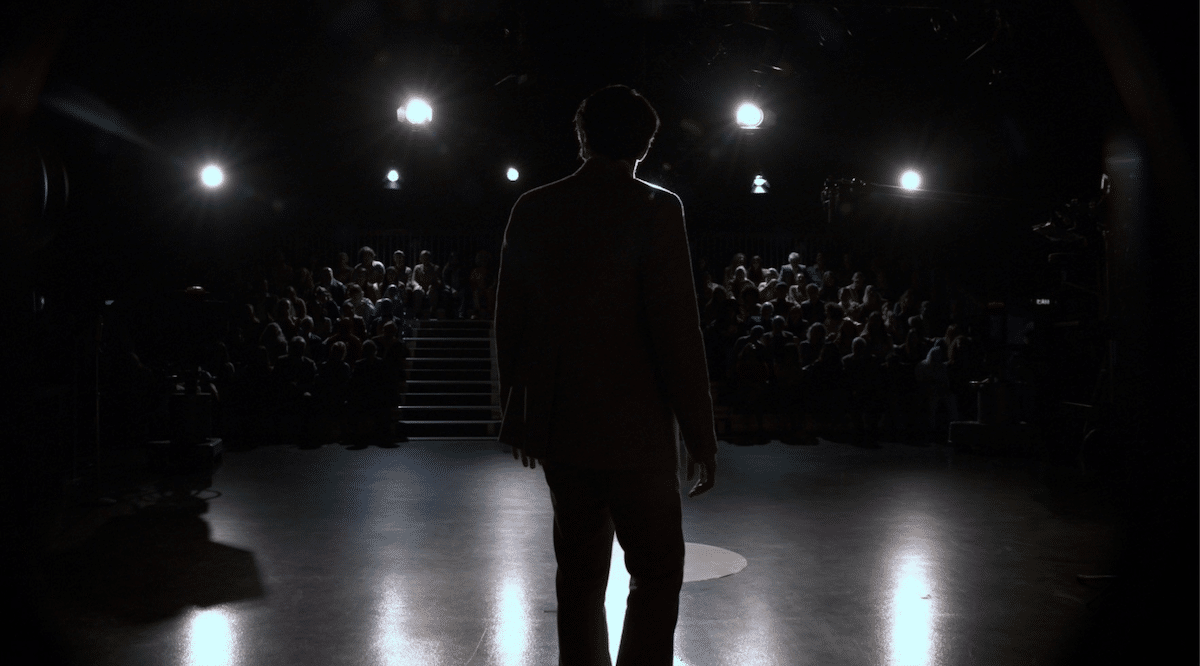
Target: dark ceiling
x=298, y=100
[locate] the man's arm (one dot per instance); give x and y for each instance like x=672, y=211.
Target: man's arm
x=674, y=318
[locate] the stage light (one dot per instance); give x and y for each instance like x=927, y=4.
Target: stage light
x=911, y=180
x=760, y=185
x=513, y=174
x=212, y=176
x=393, y=178
x=749, y=115
x=417, y=112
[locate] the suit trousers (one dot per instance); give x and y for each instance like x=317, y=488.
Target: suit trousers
x=643, y=508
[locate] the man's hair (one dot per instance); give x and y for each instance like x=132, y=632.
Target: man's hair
x=615, y=122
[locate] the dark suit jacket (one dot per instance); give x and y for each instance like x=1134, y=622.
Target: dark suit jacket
x=598, y=339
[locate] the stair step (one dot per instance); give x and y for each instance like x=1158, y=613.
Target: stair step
x=480, y=353
x=430, y=337
x=451, y=429
x=449, y=362
x=448, y=413
x=450, y=374
x=463, y=399
x=449, y=386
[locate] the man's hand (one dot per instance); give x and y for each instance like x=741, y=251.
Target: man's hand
x=708, y=474
x=520, y=454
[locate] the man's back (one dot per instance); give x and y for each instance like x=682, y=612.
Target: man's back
x=597, y=318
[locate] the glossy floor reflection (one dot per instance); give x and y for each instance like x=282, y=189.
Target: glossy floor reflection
x=440, y=553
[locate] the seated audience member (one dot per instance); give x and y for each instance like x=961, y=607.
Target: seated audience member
x=777, y=339
x=315, y=343
x=345, y=334
x=453, y=287
x=367, y=261
x=752, y=371
x=779, y=300
x=369, y=397
x=715, y=306
x=822, y=382
x=738, y=261
x=331, y=389
x=755, y=272
x=765, y=312
x=810, y=348
x=389, y=334
x=374, y=287
x=931, y=374
x=902, y=390
x=812, y=308
x=483, y=287
x=385, y=311
x=787, y=276
x=323, y=301
x=816, y=271
x=359, y=303
x=282, y=316
x=917, y=325
x=766, y=286
x=795, y=318
x=863, y=373
x=849, y=305
x=335, y=288
x=342, y=269
x=879, y=343
x=798, y=270
x=963, y=366
x=844, y=338
x=296, y=372
x=748, y=306
x=829, y=287
x=426, y=285
x=857, y=287
x=872, y=301
x=258, y=396
x=740, y=282
x=305, y=284
x=403, y=270
x=720, y=336
x=833, y=319
x=273, y=341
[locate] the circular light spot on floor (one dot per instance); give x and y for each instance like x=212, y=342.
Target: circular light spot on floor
x=702, y=562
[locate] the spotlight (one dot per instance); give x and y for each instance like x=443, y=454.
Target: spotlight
x=911, y=180
x=417, y=112
x=393, y=178
x=749, y=115
x=760, y=185
x=513, y=174
x=212, y=176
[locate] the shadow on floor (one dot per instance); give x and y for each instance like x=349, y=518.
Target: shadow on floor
x=149, y=565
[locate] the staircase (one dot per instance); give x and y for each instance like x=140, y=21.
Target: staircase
x=451, y=389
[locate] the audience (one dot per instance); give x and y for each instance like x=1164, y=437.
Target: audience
x=322, y=349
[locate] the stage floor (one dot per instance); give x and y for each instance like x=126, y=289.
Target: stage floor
x=435, y=553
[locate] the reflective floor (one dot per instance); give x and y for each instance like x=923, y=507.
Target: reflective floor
x=440, y=553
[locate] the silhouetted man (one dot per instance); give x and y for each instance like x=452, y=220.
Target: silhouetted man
x=602, y=368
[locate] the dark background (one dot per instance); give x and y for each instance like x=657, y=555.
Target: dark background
x=1009, y=110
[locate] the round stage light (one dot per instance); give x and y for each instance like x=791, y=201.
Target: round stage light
x=760, y=185
x=417, y=112
x=513, y=174
x=911, y=180
x=212, y=176
x=393, y=175
x=749, y=115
